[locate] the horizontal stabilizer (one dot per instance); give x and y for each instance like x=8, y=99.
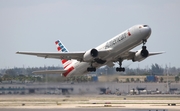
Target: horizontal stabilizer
x=49, y=72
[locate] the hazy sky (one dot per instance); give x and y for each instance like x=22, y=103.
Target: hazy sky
x=34, y=25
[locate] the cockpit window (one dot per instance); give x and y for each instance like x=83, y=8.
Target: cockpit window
x=145, y=25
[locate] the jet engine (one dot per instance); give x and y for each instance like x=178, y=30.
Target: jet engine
x=90, y=55
x=140, y=55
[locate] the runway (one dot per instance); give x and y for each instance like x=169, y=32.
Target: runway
x=87, y=103
x=87, y=109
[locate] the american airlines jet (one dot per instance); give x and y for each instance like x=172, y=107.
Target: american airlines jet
x=116, y=49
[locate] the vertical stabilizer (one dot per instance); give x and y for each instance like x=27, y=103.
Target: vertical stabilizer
x=62, y=48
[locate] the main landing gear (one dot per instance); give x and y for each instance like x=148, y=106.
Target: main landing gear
x=120, y=69
x=144, y=52
x=91, y=69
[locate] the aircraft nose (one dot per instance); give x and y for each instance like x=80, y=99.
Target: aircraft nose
x=146, y=31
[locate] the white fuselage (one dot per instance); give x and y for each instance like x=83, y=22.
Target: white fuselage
x=119, y=45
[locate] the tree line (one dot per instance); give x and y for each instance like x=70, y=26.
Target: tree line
x=155, y=69
x=25, y=74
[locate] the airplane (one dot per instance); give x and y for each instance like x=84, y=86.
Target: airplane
x=114, y=50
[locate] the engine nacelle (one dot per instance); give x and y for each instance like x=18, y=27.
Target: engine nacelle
x=140, y=55
x=90, y=55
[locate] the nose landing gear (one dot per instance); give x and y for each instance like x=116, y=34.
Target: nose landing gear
x=144, y=42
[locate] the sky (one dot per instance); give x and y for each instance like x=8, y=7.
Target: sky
x=34, y=25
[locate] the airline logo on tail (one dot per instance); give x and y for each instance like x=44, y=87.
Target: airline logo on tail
x=60, y=46
x=66, y=63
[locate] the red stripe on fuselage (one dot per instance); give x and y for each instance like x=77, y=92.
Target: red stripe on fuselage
x=68, y=71
x=67, y=65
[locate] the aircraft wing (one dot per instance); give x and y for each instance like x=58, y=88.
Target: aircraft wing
x=49, y=71
x=155, y=53
x=129, y=55
x=56, y=55
x=64, y=55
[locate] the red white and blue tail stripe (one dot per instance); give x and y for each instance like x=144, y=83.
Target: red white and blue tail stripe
x=67, y=64
x=62, y=48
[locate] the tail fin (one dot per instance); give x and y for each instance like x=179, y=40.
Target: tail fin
x=62, y=48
